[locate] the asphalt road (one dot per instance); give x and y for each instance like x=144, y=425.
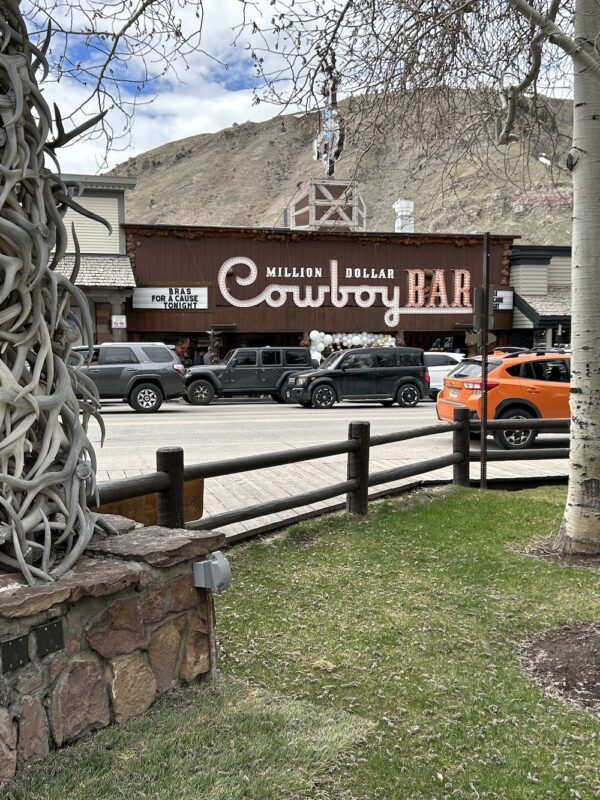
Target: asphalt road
x=230, y=428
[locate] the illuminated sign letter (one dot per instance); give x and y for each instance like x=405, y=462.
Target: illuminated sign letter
x=438, y=289
x=462, y=288
x=416, y=288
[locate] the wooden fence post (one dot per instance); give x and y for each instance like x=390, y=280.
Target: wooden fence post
x=357, y=501
x=461, y=444
x=170, y=503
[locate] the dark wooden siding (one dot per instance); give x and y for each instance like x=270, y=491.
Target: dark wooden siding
x=164, y=256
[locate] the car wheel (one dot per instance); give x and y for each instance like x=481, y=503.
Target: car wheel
x=387, y=403
x=277, y=397
x=323, y=397
x=145, y=398
x=200, y=393
x=515, y=439
x=408, y=395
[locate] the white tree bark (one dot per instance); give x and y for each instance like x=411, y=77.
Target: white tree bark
x=580, y=530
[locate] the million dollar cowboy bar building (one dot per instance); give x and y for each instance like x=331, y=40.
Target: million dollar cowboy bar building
x=258, y=286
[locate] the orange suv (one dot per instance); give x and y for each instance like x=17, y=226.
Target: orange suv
x=520, y=386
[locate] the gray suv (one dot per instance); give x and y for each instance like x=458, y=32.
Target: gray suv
x=247, y=371
x=142, y=373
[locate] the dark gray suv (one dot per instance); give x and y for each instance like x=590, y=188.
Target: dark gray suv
x=247, y=371
x=385, y=374
x=144, y=374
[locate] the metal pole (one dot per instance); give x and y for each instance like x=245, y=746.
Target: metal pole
x=484, y=359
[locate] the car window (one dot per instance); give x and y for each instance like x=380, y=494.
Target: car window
x=515, y=370
x=471, y=369
x=554, y=370
x=118, y=355
x=246, y=358
x=270, y=358
x=358, y=361
x=158, y=355
x=331, y=360
x=227, y=356
x=410, y=359
x=387, y=359
x=296, y=358
x=438, y=360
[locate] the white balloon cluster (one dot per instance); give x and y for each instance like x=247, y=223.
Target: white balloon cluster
x=319, y=340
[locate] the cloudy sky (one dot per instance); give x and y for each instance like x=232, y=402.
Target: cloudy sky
x=207, y=94
x=210, y=89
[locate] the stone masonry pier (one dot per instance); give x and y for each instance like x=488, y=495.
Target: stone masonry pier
x=101, y=644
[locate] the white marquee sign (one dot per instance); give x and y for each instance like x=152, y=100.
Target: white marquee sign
x=444, y=297
x=171, y=298
x=503, y=299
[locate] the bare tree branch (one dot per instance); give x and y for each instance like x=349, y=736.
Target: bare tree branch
x=548, y=27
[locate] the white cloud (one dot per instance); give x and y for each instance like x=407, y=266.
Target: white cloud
x=203, y=97
x=176, y=113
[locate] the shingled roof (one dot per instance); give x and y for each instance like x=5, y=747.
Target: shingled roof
x=555, y=306
x=101, y=270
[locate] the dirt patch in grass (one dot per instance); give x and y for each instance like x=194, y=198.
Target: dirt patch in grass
x=545, y=549
x=566, y=661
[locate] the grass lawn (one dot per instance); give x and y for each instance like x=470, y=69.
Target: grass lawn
x=368, y=659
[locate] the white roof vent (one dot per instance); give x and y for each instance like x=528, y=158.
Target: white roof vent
x=405, y=216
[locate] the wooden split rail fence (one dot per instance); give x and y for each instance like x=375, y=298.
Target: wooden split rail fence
x=171, y=474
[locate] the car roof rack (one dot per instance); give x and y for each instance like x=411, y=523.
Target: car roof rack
x=540, y=351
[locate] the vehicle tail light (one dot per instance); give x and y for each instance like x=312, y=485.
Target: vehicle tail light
x=179, y=368
x=478, y=385
x=427, y=377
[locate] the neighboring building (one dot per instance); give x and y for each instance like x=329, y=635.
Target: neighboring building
x=105, y=274
x=274, y=286
x=541, y=279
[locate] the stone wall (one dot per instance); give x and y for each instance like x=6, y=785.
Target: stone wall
x=99, y=646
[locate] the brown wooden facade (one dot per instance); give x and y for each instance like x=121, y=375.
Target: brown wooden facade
x=172, y=256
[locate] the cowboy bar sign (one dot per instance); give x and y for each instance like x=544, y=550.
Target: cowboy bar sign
x=413, y=291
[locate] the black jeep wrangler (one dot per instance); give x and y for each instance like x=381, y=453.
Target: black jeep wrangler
x=248, y=371
x=385, y=374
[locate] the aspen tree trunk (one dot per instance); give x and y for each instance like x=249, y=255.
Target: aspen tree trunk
x=580, y=531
